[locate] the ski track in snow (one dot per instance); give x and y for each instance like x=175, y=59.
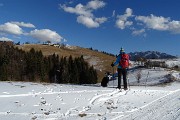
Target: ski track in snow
x=104, y=97
x=155, y=109
x=51, y=93
x=68, y=92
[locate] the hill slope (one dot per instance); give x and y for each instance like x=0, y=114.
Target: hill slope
x=100, y=61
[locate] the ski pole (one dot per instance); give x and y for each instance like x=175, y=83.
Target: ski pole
x=113, y=73
x=146, y=79
x=113, y=77
x=128, y=79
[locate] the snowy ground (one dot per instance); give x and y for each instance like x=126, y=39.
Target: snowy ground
x=147, y=100
x=150, y=77
x=172, y=63
x=33, y=101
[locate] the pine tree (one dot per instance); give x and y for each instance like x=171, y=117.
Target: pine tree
x=4, y=61
x=16, y=64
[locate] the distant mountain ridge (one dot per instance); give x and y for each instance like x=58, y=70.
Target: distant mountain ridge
x=150, y=55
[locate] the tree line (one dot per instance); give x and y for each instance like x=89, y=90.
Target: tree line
x=18, y=65
x=110, y=54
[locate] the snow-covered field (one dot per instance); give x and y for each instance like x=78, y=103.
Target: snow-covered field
x=34, y=101
x=147, y=99
x=172, y=63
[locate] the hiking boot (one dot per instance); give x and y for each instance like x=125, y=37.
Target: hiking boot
x=125, y=88
x=118, y=87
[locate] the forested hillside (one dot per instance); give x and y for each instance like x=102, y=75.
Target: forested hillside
x=101, y=61
x=18, y=65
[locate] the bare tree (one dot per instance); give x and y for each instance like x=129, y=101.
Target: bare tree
x=138, y=75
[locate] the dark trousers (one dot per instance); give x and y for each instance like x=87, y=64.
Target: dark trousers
x=122, y=72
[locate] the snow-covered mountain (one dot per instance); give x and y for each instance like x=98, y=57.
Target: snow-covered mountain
x=150, y=55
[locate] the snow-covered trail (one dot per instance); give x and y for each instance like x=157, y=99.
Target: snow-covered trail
x=163, y=108
x=107, y=96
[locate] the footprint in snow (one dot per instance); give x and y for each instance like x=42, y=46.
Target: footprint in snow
x=87, y=108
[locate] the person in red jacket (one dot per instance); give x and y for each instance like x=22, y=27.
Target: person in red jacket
x=123, y=64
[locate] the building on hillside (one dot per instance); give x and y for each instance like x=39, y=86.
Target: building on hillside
x=50, y=44
x=56, y=45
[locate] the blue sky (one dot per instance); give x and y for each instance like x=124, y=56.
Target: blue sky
x=106, y=25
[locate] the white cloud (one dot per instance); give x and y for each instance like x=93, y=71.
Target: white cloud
x=120, y=24
x=101, y=20
x=138, y=32
x=22, y=24
x=114, y=13
x=86, y=17
x=154, y=22
x=11, y=28
x=46, y=35
x=174, y=26
x=87, y=21
x=5, y=39
x=128, y=12
x=95, y=4
x=85, y=13
x=123, y=24
x=160, y=23
x=79, y=10
x=91, y=22
x=122, y=20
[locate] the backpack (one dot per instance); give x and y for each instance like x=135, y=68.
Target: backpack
x=124, y=62
x=104, y=82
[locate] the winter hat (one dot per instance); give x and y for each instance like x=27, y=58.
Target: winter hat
x=122, y=50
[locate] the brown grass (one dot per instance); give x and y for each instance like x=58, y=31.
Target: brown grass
x=100, y=61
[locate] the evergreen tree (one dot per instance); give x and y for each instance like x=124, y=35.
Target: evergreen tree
x=4, y=61
x=16, y=64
